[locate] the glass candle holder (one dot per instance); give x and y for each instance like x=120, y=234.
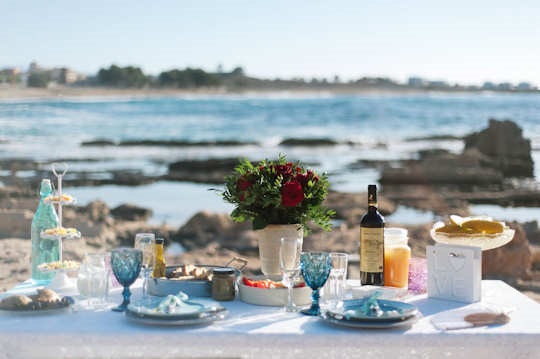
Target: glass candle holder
x=418, y=275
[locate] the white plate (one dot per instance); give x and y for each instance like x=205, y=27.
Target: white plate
x=192, y=309
x=485, y=242
x=370, y=325
x=134, y=317
x=274, y=297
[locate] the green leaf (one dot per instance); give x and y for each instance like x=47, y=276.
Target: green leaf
x=259, y=223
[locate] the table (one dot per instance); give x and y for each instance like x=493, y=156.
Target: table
x=264, y=332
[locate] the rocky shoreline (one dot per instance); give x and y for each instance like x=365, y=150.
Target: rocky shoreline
x=213, y=238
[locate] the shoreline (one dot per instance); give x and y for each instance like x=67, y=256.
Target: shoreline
x=67, y=92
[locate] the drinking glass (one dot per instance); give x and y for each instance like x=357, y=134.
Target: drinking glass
x=289, y=263
x=93, y=280
x=335, y=286
x=126, y=265
x=146, y=242
x=315, y=267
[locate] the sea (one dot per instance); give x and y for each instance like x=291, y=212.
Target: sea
x=368, y=127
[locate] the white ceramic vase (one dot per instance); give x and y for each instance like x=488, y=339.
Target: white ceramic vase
x=270, y=241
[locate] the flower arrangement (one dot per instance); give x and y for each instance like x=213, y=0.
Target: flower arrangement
x=277, y=192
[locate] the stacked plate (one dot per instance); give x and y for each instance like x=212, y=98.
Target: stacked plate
x=392, y=314
x=193, y=313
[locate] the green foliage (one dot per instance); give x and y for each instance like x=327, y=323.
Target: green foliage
x=277, y=192
x=116, y=76
x=38, y=79
x=188, y=78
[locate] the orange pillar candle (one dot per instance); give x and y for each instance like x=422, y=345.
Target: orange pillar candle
x=396, y=257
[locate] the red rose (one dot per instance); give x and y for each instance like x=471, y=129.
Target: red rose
x=302, y=179
x=291, y=194
x=284, y=170
x=243, y=183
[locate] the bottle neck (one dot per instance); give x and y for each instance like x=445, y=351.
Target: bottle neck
x=372, y=206
x=159, y=251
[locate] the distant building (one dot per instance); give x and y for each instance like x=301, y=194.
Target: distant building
x=505, y=86
x=416, y=81
x=55, y=76
x=438, y=84
x=524, y=86
x=488, y=86
x=67, y=76
x=34, y=67
x=10, y=75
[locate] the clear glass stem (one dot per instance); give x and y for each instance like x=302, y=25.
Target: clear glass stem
x=146, y=274
x=290, y=305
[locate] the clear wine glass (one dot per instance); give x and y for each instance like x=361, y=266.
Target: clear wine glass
x=146, y=242
x=289, y=263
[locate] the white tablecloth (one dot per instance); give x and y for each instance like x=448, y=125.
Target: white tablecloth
x=260, y=332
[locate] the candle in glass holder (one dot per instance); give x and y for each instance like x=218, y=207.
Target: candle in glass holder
x=396, y=257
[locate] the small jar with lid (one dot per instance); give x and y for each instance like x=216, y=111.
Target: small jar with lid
x=397, y=254
x=223, y=284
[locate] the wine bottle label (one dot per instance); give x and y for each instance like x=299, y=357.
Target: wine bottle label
x=371, y=249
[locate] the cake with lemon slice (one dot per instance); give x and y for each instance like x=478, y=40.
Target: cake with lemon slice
x=479, y=231
x=471, y=226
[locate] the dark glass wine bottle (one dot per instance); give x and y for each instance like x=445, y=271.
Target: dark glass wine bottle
x=372, y=242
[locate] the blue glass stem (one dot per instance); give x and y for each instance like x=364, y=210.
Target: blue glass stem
x=122, y=307
x=314, y=309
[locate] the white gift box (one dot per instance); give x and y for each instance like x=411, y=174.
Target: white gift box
x=454, y=272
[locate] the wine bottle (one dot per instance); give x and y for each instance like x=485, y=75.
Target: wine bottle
x=159, y=261
x=372, y=242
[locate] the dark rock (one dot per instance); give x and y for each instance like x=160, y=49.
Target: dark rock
x=181, y=143
x=97, y=211
x=433, y=152
x=469, y=168
x=98, y=142
x=211, y=171
x=435, y=138
x=352, y=206
x=18, y=164
x=511, y=261
x=308, y=142
x=504, y=143
x=427, y=198
x=131, y=212
x=532, y=231
x=205, y=228
x=365, y=163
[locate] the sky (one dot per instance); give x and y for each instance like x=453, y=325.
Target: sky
x=459, y=41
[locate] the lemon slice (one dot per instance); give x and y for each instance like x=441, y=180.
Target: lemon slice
x=457, y=220
x=481, y=226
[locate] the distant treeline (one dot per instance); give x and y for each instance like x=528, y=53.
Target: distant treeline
x=130, y=76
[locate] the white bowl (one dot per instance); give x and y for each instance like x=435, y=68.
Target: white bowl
x=275, y=297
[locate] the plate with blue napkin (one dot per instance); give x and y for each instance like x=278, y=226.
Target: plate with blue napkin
x=176, y=310
x=372, y=313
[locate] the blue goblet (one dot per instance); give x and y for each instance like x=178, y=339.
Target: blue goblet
x=126, y=265
x=315, y=267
